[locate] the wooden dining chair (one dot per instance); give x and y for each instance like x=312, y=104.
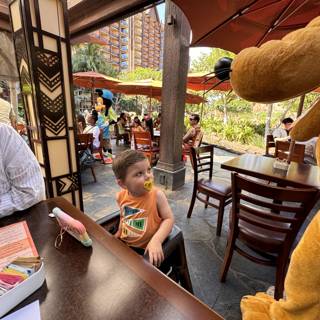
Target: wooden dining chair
x=262, y=230
x=84, y=145
x=282, y=151
x=270, y=143
x=143, y=143
x=206, y=188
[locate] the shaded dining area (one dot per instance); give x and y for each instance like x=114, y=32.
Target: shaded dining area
x=204, y=249
x=239, y=217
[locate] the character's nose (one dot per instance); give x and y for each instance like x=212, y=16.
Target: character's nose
x=222, y=68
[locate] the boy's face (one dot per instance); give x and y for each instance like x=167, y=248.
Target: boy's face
x=287, y=126
x=137, y=175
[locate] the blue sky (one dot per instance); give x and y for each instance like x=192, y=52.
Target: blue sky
x=194, y=52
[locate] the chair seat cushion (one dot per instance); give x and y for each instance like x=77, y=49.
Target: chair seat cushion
x=261, y=238
x=217, y=185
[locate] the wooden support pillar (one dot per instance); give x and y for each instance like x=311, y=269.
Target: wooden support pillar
x=301, y=103
x=42, y=48
x=170, y=170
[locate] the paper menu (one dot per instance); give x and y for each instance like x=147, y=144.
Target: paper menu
x=29, y=312
x=16, y=241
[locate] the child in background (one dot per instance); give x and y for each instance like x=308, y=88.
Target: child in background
x=146, y=218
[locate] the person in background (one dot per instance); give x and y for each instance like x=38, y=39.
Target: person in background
x=81, y=123
x=106, y=117
x=93, y=128
x=137, y=126
x=99, y=98
x=283, y=132
x=148, y=123
x=189, y=137
x=122, y=123
x=157, y=122
x=140, y=202
x=21, y=181
x=7, y=115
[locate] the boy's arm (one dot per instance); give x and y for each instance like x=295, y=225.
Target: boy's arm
x=154, y=247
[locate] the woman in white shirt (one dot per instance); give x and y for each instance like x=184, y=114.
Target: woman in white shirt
x=93, y=128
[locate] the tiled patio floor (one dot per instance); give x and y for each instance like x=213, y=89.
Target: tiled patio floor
x=204, y=250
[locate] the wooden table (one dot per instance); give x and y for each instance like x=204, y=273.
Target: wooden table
x=297, y=175
x=107, y=281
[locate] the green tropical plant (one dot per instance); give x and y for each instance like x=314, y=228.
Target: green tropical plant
x=91, y=57
x=141, y=74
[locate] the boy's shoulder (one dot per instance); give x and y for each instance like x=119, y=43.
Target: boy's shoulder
x=121, y=194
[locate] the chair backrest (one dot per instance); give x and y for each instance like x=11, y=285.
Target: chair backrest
x=142, y=140
x=282, y=151
x=202, y=160
x=84, y=141
x=270, y=143
x=261, y=205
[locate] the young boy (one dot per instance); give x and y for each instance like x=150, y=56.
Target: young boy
x=146, y=218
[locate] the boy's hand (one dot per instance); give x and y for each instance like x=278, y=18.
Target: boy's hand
x=154, y=249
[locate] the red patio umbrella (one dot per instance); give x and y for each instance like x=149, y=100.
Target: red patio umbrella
x=202, y=81
x=152, y=89
x=87, y=38
x=91, y=79
x=238, y=24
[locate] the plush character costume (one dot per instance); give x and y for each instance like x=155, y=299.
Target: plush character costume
x=280, y=70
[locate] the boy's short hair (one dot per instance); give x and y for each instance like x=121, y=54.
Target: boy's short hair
x=125, y=160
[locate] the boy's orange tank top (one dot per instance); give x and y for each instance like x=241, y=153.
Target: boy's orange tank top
x=139, y=217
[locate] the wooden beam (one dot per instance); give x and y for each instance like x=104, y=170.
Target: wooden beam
x=88, y=15
x=4, y=16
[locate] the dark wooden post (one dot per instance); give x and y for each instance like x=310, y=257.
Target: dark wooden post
x=42, y=48
x=170, y=170
x=301, y=103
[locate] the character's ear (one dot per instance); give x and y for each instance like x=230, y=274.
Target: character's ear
x=121, y=184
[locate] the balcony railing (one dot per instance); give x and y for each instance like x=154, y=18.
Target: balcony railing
x=124, y=23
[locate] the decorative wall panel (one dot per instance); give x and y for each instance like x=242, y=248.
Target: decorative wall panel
x=42, y=46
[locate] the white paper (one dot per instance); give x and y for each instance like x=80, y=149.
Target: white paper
x=29, y=312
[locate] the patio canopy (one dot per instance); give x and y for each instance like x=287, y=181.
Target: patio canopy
x=91, y=79
x=238, y=24
x=89, y=15
x=201, y=81
x=152, y=89
x=87, y=38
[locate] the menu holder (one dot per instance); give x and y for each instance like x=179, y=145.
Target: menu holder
x=24, y=289
x=16, y=244
x=281, y=164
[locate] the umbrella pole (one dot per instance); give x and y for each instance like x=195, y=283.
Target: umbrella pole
x=301, y=103
x=202, y=105
x=92, y=93
x=150, y=108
